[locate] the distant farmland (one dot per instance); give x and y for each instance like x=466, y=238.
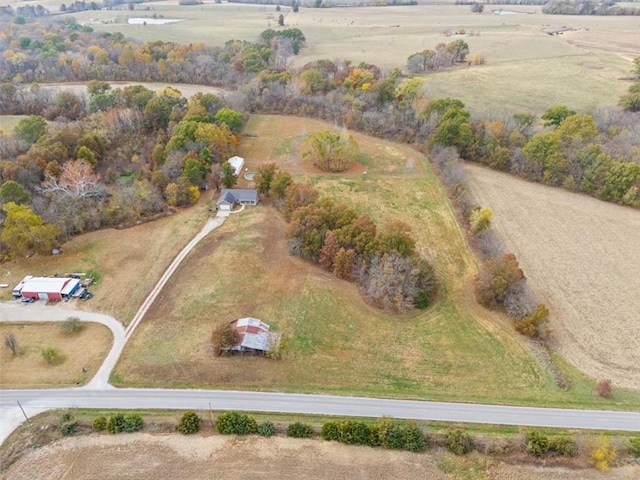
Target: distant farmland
x=582, y=255
x=526, y=69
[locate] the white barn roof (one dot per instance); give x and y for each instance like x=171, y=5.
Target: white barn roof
x=49, y=285
x=237, y=163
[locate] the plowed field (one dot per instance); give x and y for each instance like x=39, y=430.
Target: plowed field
x=583, y=256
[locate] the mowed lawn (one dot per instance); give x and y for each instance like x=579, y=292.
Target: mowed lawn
x=83, y=354
x=334, y=341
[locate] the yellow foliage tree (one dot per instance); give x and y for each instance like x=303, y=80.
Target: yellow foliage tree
x=603, y=455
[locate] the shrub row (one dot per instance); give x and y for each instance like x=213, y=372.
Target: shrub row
x=539, y=445
x=119, y=422
x=385, y=433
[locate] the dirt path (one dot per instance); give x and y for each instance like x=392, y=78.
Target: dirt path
x=582, y=255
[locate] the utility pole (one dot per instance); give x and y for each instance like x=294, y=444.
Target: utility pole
x=23, y=413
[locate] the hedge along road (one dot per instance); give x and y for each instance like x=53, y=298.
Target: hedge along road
x=99, y=394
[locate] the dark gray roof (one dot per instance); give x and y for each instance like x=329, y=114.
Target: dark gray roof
x=233, y=195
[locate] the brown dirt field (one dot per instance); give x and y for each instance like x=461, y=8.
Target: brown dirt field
x=581, y=256
x=527, y=472
x=86, y=349
x=171, y=456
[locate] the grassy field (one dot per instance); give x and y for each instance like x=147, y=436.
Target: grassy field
x=28, y=369
x=9, y=122
x=129, y=261
x=581, y=254
x=335, y=342
x=526, y=69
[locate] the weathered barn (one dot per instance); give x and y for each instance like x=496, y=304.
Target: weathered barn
x=49, y=288
x=254, y=337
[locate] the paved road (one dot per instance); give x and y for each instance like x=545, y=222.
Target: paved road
x=99, y=394
x=319, y=404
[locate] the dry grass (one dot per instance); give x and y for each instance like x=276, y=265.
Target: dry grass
x=335, y=342
x=84, y=350
x=526, y=69
x=129, y=261
x=581, y=254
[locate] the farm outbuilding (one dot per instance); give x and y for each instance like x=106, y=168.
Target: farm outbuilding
x=242, y=196
x=237, y=163
x=254, y=337
x=49, y=288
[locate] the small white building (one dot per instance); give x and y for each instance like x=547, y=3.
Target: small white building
x=237, y=163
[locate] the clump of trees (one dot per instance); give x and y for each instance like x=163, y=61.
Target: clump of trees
x=443, y=56
x=384, y=263
x=385, y=433
x=540, y=445
x=330, y=151
x=578, y=151
x=569, y=7
x=130, y=153
x=631, y=101
x=118, y=423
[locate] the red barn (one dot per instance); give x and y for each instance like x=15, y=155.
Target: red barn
x=49, y=288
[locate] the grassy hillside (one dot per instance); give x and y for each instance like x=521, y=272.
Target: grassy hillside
x=335, y=342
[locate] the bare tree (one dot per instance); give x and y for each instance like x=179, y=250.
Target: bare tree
x=11, y=343
x=76, y=180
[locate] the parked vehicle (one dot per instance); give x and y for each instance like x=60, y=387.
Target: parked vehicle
x=27, y=300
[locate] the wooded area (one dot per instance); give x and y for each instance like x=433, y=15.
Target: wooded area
x=117, y=155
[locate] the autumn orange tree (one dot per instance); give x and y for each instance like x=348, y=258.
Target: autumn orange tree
x=496, y=278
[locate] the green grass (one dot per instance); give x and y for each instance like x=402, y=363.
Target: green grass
x=335, y=342
x=9, y=122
